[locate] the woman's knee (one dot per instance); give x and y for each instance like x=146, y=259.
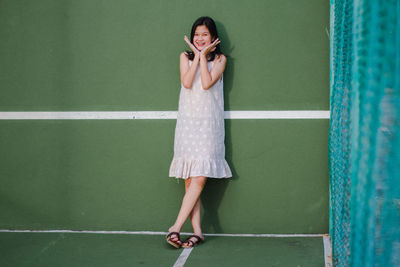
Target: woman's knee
x=199, y=180
x=187, y=183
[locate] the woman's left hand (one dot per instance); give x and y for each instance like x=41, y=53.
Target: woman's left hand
x=211, y=47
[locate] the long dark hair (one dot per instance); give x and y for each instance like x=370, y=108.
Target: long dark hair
x=210, y=24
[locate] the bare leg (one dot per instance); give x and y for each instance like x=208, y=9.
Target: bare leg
x=195, y=215
x=194, y=187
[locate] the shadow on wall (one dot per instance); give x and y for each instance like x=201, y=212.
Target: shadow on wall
x=211, y=198
x=227, y=49
x=214, y=189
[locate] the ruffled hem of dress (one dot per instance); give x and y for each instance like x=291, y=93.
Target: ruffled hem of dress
x=211, y=168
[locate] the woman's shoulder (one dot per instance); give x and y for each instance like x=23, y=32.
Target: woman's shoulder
x=184, y=57
x=185, y=54
x=220, y=58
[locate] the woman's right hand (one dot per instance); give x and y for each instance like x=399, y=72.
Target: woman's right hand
x=192, y=47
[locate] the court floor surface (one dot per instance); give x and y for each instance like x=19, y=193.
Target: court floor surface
x=96, y=248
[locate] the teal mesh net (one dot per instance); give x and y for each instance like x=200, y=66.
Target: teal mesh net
x=364, y=136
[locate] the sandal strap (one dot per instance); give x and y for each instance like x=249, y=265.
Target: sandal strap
x=191, y=242
x=173, y=233
x=197, y=237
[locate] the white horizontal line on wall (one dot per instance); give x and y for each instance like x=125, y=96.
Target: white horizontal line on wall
x=138, y=115
x=278, y=114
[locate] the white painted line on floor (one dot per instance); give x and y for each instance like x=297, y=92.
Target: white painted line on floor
x=327, y=251
x=146, y=115
x=85, y=232
x=268, y=235
x=183, y=257
x=156, y=233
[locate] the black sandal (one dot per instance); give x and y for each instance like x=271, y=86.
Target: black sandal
x=192, y=243
x=176, y=243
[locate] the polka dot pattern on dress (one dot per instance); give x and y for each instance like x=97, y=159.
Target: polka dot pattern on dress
x=199, y=148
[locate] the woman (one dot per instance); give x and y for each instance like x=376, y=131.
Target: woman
x=199, y=149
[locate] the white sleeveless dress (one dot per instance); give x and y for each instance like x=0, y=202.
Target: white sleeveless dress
x=199, y=148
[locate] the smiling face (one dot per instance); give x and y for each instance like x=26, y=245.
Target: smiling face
x=202, y=37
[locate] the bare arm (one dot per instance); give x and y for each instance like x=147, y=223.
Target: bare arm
x=188, y=72
x=209, y=78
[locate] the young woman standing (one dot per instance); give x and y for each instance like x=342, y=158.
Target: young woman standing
x=199, y=148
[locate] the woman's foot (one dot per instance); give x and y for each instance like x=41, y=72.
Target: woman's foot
x=173, y=237
x=192, y=241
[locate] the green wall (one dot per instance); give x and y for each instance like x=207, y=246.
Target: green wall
x=123, y=56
